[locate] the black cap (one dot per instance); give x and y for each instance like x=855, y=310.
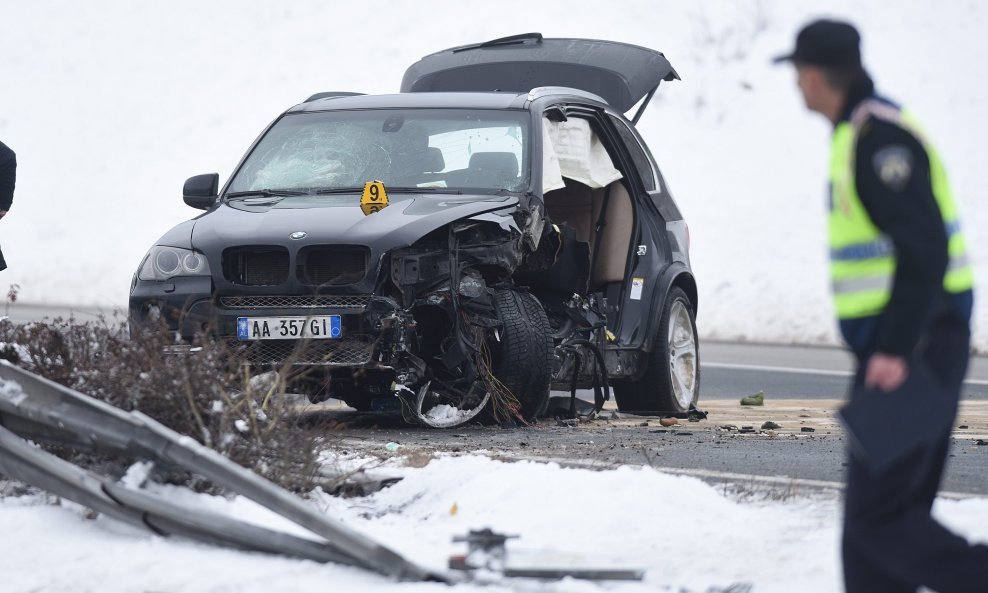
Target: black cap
x=826, y=43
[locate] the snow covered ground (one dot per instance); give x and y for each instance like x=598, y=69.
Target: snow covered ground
x=111, y=104
x=685, y=533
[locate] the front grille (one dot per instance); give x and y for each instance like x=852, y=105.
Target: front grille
x=346, y=351
x=256, y=266
x=296, y=302
x=332, y=265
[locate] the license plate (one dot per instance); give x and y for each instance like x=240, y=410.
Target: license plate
x=320, y=327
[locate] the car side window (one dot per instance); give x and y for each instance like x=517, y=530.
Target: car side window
x=641, y=160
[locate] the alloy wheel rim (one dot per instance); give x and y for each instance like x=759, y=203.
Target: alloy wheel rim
x=682, y=354
x=460, y=416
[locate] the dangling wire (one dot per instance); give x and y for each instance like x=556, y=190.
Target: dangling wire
x=602, y=390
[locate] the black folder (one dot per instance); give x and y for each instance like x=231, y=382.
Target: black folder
x=886, y=427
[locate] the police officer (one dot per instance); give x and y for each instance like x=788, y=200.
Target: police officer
x=8, y=174
x=902, y=289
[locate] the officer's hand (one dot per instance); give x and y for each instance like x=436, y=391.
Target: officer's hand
x=3, y=213
x=886, y=372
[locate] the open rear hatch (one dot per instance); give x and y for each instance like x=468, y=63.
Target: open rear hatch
x=620, y=73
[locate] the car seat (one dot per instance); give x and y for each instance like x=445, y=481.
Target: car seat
x=492, y=169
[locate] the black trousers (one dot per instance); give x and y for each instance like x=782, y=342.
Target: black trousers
x=891, y=543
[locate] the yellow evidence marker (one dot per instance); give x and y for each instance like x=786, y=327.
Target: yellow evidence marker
x=374, y=199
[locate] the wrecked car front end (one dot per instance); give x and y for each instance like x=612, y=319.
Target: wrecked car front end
x=393, y=307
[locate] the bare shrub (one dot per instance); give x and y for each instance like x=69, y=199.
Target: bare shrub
x=204, y=393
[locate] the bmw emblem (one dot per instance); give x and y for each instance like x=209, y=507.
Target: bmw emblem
x=298, y=235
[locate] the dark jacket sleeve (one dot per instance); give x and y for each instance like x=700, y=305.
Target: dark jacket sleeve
x=892, y=173
x=8, y=175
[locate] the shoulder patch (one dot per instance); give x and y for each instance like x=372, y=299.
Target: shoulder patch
x=894, y=166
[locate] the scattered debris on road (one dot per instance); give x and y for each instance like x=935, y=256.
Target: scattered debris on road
x=757, y=399
x=487, y=551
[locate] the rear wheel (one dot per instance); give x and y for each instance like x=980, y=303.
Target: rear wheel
x=671, y=382
x=521, y=354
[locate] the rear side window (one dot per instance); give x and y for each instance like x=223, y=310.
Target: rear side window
x=641, y=160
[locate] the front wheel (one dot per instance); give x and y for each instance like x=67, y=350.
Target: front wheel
x=671, y=381
x=522, y=351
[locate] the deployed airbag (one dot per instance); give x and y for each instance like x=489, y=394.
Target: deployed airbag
x=571, y=149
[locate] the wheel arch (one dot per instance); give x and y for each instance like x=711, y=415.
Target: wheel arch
x=675, y=276
x=687, y=283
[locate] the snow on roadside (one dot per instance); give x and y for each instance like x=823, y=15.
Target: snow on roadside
x=684, y=532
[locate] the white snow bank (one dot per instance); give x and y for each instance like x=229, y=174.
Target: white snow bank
x=111, y=104
x=683, y=532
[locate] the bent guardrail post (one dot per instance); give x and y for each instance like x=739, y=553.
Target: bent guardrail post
x=23, y=461
x=44, y=410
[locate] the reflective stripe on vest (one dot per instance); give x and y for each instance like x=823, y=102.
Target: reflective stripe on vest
x=862, y=258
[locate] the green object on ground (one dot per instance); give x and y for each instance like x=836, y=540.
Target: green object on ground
x=754, y=400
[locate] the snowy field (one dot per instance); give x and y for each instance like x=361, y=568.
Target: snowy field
x=686, y=535
x=111, y=104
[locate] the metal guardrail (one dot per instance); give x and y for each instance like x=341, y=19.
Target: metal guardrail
x=32, y=407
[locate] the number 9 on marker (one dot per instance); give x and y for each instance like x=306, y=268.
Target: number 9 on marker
x=374, y=198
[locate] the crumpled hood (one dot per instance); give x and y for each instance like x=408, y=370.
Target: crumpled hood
x=338, y=220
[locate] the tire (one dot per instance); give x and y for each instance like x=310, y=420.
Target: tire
x=522, y=358
x=671, y=381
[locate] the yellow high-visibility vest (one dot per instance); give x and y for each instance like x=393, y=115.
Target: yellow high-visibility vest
x=862, y=258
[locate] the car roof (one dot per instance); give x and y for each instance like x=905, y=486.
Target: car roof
x=489, y=100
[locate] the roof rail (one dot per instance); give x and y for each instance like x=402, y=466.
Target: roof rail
x=544, y=91
x=332, y=94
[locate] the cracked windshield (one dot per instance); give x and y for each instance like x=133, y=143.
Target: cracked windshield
x=407, y=148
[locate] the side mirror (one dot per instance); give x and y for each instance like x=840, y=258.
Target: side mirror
x=201, y=191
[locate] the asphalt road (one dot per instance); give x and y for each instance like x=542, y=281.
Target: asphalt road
x=700, y=449
x=812, y=379
x=815, y=378
x=27, y=312
x=730, y=370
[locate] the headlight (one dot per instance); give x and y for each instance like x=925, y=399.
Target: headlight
x=163, y=263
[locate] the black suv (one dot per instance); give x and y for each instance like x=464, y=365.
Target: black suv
x=497, y=229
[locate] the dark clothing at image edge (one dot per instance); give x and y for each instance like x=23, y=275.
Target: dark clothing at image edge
x=8, y=175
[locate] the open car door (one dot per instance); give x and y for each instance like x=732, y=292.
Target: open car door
x=620, y=73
